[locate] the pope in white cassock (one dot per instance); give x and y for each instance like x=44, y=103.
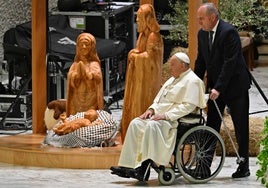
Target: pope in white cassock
x=152, y=136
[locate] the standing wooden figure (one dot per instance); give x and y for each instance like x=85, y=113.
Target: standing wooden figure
x=144, y=68
x=84, y=81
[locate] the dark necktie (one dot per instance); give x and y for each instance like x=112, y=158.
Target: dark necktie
x=210, y=38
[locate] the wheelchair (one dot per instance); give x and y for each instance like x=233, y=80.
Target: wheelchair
x=199, y=153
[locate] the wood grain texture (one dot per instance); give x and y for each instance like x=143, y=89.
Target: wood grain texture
x=28, y=150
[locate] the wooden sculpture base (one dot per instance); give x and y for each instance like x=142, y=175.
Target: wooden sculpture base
x=27, y=150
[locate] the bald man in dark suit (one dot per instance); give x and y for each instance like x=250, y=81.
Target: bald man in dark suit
x=228, y=79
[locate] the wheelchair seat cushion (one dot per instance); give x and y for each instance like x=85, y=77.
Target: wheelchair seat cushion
x=189, y=121
x=192, y=119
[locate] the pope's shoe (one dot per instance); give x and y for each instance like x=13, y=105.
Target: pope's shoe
x=120, y=171
x=141, y=173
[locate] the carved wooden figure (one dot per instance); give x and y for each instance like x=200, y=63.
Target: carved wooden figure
x=84, y=80
x=66, y=127
x=144, y=68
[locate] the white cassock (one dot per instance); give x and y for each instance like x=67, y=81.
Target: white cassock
x=155, y=140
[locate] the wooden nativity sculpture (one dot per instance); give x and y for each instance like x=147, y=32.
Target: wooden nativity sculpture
x=144, y=67
x=84, y=86
x=84, y=80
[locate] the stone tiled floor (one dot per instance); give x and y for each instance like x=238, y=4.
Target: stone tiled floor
x=35, y=177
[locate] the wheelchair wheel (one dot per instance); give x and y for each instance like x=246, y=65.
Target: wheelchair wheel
x=166, y=176
x=200, y=154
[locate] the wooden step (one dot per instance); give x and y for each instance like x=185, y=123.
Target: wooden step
x=28, y=150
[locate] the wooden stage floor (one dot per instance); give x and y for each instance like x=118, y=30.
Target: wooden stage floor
x=28, y=150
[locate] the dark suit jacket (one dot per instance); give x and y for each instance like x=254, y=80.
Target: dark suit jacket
x=225, y=65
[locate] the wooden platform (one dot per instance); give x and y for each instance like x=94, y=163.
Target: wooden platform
x=27, y=150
